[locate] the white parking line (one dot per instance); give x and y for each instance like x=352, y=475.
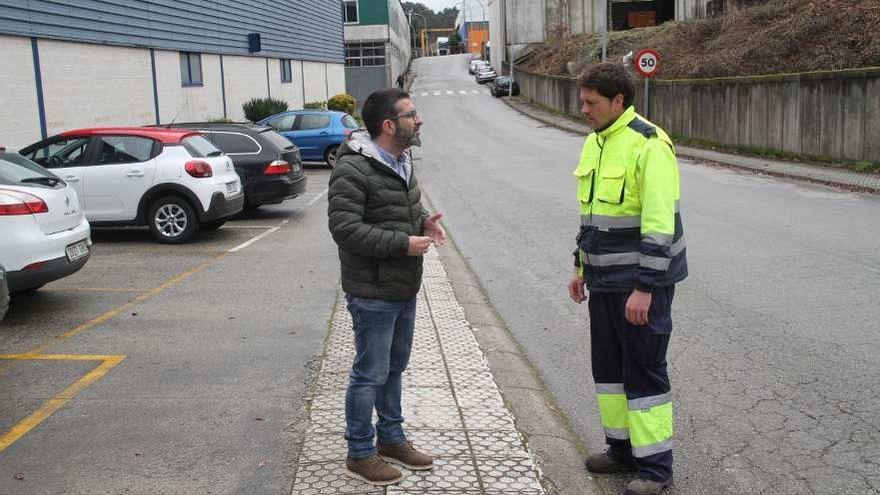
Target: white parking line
x=436, y=93
x=255, y=239
x=316, y=198
x=424, y=93
x=450, y=92
x=462, y=92
x=474, y=91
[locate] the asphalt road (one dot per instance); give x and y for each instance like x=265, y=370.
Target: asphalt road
x=179, y=369
x=774, y=359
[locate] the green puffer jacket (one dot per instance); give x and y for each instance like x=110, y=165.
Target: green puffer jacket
x=372, y=213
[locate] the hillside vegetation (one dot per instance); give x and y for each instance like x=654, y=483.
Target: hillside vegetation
x=780, y=36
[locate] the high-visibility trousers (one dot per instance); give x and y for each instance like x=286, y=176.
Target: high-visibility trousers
x=632, y=386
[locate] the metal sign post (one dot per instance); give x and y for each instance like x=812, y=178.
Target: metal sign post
x=647, y=63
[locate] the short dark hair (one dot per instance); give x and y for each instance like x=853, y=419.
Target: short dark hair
x=609, y=80
x=379, y=107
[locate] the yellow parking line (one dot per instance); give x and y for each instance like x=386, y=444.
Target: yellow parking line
x=34, y=419
x=90, y=289
x=119, y=309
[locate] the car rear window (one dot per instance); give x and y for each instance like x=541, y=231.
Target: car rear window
x=350, y=122
x=14, y=168
x=199, y=147
x=277, y=139
x=231, y=142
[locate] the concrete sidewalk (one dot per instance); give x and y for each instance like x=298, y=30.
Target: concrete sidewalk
x=813, y=173
x=452, y=405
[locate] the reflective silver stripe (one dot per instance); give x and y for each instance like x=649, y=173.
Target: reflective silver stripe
x=605, y=222
x=609, y=388
x=643, y=403
x=656, y=448
x=658, y=239
x=614, y=259
x=617, y=433
x=677, y=248
x=654, y=263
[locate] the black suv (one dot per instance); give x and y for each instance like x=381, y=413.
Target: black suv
x=269, y=164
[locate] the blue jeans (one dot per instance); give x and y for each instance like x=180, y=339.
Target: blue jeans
x=383, y=332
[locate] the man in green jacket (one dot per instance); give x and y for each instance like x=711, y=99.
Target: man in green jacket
x=382, y=231
x=630, y=255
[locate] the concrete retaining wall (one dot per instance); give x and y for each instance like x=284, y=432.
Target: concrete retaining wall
x=823, y=114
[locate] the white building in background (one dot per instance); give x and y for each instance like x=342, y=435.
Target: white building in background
x=142, y=62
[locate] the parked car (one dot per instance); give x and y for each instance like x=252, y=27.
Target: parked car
x=501, y=87
x=45, y=234
x=172, y=180
x=4, y=294
x=269, y=164
x=317, y=133
x=476, y=64
x=486, y=75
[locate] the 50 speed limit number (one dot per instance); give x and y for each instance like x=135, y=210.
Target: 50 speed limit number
x=647, y=62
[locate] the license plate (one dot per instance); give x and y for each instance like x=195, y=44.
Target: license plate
x=77, y=250
x=232, y=188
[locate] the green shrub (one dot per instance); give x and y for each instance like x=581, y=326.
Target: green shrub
x=343, y=102
x=219, y=120
x=315, y=105
x=866, y=166
x=257, y=109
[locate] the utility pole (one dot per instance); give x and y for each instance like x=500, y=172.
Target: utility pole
x=604, y=30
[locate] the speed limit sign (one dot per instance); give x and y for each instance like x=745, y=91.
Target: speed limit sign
x=647, y=62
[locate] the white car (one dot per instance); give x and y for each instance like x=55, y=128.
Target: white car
x=45, y=233
x=172, y=180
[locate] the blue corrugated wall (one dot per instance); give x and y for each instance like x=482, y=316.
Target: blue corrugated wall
x=298, y=29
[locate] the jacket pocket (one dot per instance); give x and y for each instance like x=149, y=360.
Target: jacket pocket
x=585, y=184
x=610, y=187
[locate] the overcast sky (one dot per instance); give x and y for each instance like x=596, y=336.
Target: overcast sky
x=473, y=6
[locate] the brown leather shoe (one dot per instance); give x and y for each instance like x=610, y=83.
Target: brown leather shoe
x=406, y=455
x=373, y=470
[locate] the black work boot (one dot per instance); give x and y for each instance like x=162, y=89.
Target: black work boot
x=607, y=462
x=647, y=487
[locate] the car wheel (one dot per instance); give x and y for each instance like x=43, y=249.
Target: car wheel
x=172, y=220
x=211, y=226
x=330, y=156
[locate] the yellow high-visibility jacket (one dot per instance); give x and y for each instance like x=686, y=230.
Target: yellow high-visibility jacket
x=631, y=234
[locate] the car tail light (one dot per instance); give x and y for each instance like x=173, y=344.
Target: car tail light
x=199, y=169
x=347, y=131
x=35, y=266
x=21, y=203
x=278, y=167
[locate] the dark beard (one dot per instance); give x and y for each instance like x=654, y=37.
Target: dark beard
x=407, y=139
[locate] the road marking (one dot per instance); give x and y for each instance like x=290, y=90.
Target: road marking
x=450, y=92
x=424, y=93
x=255, y=227
x=436, y=93
x=54, y=404
x=316, y=198
x=254, y=239
x=474, y=91
x=461, y=91
x=90, y=289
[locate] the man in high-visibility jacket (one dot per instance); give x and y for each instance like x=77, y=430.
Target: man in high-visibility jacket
x=630, y=254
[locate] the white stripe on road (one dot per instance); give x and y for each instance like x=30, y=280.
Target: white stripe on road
x=255, y=239
x=316, y=198
x=424, y=93
x=463, y=92
x=436, y=93
x=474, y=91
x=450, y=92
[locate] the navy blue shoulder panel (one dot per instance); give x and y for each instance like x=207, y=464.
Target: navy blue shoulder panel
x=643, y=128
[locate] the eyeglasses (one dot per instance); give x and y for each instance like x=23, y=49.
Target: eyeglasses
x=413, y=114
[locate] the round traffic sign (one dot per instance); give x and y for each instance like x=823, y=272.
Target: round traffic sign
x=647, y=62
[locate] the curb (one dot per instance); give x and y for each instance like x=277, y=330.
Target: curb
x=716, y=158
x=557, y=450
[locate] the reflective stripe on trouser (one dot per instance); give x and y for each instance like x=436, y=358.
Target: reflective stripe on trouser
x=613, y=410
x=634, y=357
